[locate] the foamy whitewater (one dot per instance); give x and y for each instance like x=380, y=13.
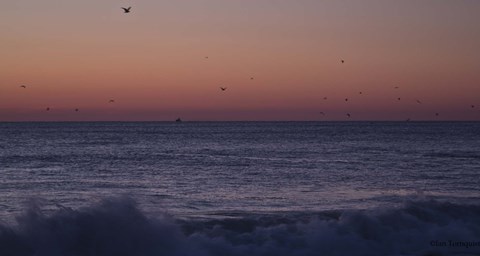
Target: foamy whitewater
x=240, y=188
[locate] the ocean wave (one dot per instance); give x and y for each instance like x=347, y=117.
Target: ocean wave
x=455, y=154
x=118, y=227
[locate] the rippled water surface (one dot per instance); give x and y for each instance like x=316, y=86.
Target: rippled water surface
x=209, y=169
x=239, y=188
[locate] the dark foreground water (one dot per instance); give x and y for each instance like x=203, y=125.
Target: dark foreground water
x=240, y=188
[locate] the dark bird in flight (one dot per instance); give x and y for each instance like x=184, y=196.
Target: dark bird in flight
x=223, y=88
x=47, y=109
x=436, y=114
x=76, y=110
x=111, y=101
x=396, y=87
x=325, y=98
x=178, y=120
x=360, y=93
x=23, y=86
x=251, y=78
x=206, y=57
x=343, y=61
x=348, y=114
x=126, y=10
x=408, y=120
x=398, y=98
x=346, y=99
x=322, y=113
x=472, y=106
x=419, y=102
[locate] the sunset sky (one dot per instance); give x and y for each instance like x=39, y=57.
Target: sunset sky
x=80, y=54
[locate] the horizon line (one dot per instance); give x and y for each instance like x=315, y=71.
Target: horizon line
x=244, y=121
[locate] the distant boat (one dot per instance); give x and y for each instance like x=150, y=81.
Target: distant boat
x=178, y=120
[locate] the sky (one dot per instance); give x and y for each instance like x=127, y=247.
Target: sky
x=152, y=61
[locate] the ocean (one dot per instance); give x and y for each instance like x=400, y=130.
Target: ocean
x=239, y=188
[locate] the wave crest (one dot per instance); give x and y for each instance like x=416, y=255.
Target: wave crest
x=117, y=227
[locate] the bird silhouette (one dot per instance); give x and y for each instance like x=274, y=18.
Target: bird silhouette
x=76, y=110
x=111, y=101
x=398, y=98
x=322, y=113
x=47, y=109
x=23, y=86
x=346, y=99
x=419, y=102
x=360, y=93
x=206, y=57
x=408, y=120
x=325, y=98
x=126, y=10
x=348, y=114
x=396, y=87
x=472, y=106
x=178, y=120
x=251, y=78
x=343, y=61
x=223, y=88
x=436, y=114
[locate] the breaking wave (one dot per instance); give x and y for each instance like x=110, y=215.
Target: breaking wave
x=118, y=227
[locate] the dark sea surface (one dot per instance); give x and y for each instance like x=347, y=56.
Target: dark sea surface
x=240, y=188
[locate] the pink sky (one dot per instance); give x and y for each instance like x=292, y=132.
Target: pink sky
x=81, y=54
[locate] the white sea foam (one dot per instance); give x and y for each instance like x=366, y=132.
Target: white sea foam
x=118, y=227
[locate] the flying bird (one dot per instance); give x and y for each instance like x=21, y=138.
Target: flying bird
x=47, y=109
x=396, y=87
x=126, y=10
x=348, y=114
x=419, y=102
x=343, y=61
x=23, y=86
x=360, y=93
x=111, y=101
x=325, y=98
x=346, y=99
x=398, y=98
x=223, y=88
x=436, y=114
x=322, y=113
x=251, y=78
x=76, y=110
x=472, y=106
x=408, y=120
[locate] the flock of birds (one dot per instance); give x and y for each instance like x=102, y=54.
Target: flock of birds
x=128, y=10
x=76, y=109
x=346, y=99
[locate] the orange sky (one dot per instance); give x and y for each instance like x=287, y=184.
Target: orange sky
x=80, y=54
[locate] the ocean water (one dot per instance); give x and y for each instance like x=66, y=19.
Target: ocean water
x=240, y=188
